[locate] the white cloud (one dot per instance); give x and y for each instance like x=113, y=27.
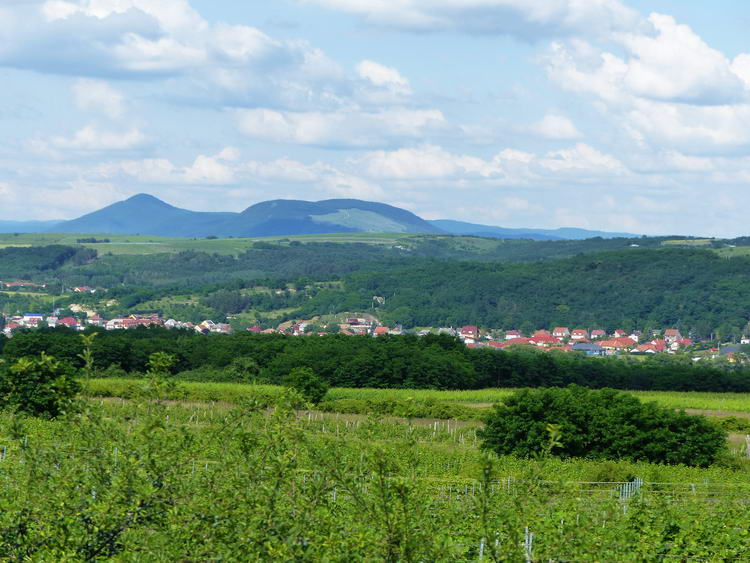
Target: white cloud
x=428, y=162
x=345, y=128
x=91, y=138
x=556, y=127
x=582, y=158
x=95, y=95
x=670, y=91
x=383, y=76
x=521, y=18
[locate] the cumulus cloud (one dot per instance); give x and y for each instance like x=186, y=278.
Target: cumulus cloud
x=580, y=163
x=383, y=76
x=345, y=128
x=526, y=19
x=669, y=91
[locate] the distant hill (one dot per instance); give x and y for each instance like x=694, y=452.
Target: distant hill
x=293, y=217
x=146, y=215
x=27, y=226
x=462, y=228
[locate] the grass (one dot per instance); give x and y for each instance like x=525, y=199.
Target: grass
x=144, y=244
x=236, y=392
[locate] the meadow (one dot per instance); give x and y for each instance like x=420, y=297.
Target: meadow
x=236, y=392
x=146, y=244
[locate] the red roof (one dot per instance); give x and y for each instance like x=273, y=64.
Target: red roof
x=255, y=329
x=543, y=339
x=623, y=342
x=514, y=341
x=560, y=329
x=382, y=330
x=671, y=332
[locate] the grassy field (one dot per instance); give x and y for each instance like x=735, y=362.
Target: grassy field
x=144, y=244
x=236, y=392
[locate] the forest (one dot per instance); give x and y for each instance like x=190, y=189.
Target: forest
x=694, y=290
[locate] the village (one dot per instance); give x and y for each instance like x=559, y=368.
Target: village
x=594, y=342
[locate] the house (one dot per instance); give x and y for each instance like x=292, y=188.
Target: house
x=95, y=320
x=588, y=348
x=597, y=333
x=70, y=322
x=381, y=330
x=672, y=335
x=84, y=289
x=255, y=329
x=579, y=334
x=615, y=345
x=32, y=320
x=544, y=340
x=469, y=332
x=511, y=334
x=619, y=333
x=517, y=341
x=560, y=332
x=10, y=328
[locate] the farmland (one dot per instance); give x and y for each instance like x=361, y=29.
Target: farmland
x=205, y=480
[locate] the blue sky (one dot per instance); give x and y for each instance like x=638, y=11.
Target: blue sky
x=609, y=114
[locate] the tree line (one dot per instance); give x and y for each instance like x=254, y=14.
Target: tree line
x=407, y=361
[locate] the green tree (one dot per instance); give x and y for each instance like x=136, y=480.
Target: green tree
x=306, y=383
x=39, y=386
x=600, y=424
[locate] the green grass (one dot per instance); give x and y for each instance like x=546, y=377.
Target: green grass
x=144, y=244
x=236, y=392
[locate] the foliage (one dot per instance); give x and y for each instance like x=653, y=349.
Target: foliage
x=160, y=382
x=303, y=380
x=600, y=424
x=139, y=481
x=38, y=386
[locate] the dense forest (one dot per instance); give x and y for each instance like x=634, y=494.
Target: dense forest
x=432, y=283
x=430, y=362
x=694, y=290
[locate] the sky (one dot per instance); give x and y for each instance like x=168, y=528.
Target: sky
x=619, y=115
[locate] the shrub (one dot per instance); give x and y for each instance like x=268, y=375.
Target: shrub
x=306, y=383
x=602, y=424
x=39, y=386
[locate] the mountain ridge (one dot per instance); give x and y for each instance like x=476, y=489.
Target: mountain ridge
x=146, y=214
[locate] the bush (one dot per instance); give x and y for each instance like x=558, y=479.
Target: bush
x=306, y=383
x=39, y=386
x=602, y=424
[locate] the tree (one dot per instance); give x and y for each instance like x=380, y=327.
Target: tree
x=306, y=383
x=600, y=424
x=39, y=386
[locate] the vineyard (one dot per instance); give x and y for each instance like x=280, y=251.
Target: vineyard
x=135, y=480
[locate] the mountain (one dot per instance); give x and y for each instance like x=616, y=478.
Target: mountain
x=26, y=226
x=293, y=217
x=146, y=215
x=565, y=233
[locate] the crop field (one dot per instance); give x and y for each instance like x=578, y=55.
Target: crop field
x=135, y=480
